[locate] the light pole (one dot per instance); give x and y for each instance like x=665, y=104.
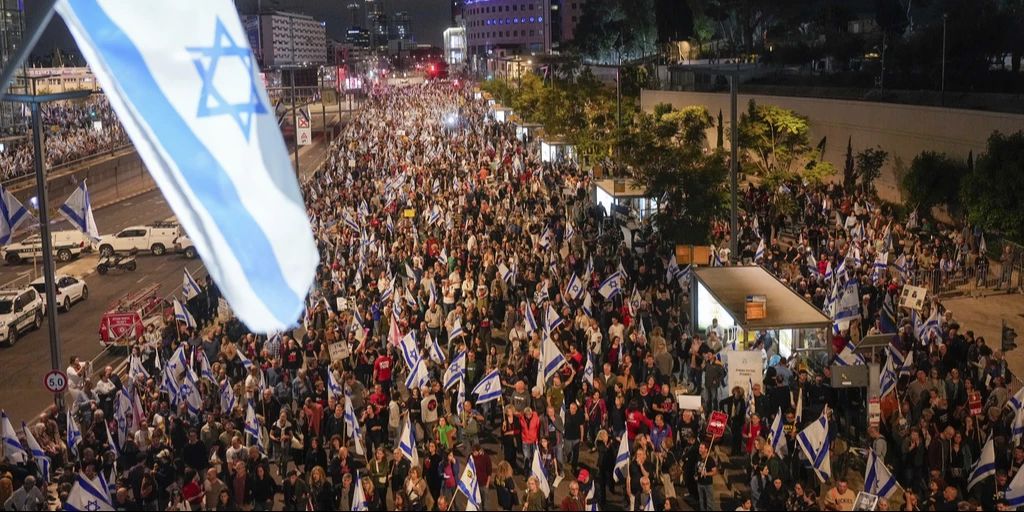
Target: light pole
x=34, y=102
x=733, y=163
x=942, y=83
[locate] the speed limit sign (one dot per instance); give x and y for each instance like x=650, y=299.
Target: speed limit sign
x=55, y=381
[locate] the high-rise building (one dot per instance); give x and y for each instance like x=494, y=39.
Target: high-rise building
x=289, y=39
x=12, y=28
x=457, y=6
x=377, y=22
x=401, y=27
x=498, y=29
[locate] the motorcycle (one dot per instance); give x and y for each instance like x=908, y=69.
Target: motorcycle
x=116, y=262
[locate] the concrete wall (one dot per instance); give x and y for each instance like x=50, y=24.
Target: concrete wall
x=111, y=178
x=902, y=130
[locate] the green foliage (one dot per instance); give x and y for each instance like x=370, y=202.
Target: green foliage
x=869, y=166
x=773, y=138
x=691, y=123
x=992, y=193
x=934, y=180
x=614, y=31
x=817, y=172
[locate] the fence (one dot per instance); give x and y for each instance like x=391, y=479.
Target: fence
x=969, y=281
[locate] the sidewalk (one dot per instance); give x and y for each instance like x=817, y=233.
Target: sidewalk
x=985, y=317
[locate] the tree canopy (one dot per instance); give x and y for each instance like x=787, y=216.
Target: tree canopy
x=992, y=192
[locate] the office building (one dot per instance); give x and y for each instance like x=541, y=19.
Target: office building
x=401, y=27
x=455, y=46
x=288, y=39
x=498, y=29
x=12, y=28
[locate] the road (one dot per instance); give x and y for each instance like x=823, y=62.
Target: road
x=22, y=366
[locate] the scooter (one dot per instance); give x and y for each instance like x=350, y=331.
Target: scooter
x=116, y=262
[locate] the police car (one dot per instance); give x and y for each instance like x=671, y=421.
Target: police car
x=183, y=244
x=20, y=310
x=66, y=246
x=69, y=290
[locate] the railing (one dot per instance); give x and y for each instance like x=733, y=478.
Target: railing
x=969, y=281
x=27, y=177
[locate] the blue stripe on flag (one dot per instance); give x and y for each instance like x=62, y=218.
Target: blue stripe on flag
x=203, y=175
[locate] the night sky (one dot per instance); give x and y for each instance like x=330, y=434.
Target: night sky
x=429, y=18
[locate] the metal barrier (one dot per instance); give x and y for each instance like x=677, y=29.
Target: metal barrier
x=15, y=181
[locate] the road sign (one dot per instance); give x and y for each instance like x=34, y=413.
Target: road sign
x=716, y=424
x=55, y=381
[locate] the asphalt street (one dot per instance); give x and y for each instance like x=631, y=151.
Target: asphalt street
x=23, y=366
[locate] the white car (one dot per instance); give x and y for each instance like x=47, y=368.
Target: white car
x=184, y=245
x=19, y=311
x=67, y=245
x=69, y=290
x=156, y=238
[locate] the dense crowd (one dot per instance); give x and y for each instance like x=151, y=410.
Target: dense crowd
x=70, y=135
x=452, y=260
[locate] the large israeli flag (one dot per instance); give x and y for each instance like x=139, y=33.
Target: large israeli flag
x=77, y=209
x=183, y=82
x=12, y=215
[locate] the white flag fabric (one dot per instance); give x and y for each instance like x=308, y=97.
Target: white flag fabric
x=184, y=83
x=470, y=486
x=531, y=322
x=227, y=397
x=74, y=433
x=985, y=466
x=552, y=319
x=77, y=209
x=622, y=459
x=489, y=388
x=537, y=470
x=189, y=287
x=13, y=450
x=551, y=358
x=182, y=314
x=89, y=494
x=877, y=479
x=456, y=370
x=435, y=349
x=352, y=422
x=12, y=215
x=776, y=436
x=358, y=496
x=1015, y=491
x=815, y=443
x=333, y=387
x=42, y=460
x=847, y=356
x=407, y=443
x=410, y=352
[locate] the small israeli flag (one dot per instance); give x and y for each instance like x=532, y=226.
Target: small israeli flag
x=985, y=466
x=435, y=349
x=74, y=433
x=189, y=287
x=12, y=215
x=78, y=211
x=42, y=460
x=407, y=442
x=504, y=272
x=878, y=480
x=181, y=314
x=531, y=322
x=333, y=386
x=815, y=443
x=489, y=389
x=89, y=494
x=184, y=83
x=352, y=422
x=537, y=470
x=574, y=290
x=551, y=358
x=227, y=397
x=469, y=484
x=12, y=446
x=622, y=459
x=456, y=370
x=776, y=436
x=759, y=255
x=1015, y=491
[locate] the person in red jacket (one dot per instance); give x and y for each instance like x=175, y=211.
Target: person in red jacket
x=529, y=423
x=636, y=421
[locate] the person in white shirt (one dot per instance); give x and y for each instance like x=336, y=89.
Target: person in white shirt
x=77, y=373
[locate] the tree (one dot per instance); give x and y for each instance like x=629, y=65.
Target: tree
x=703, y=31
x=721, y=130
x=869, y=166
x=991, y=193
x=614, y=31
x=849, y=172
x=689, y=183
x=692, y=124
x=934, y=180
x=774, y=138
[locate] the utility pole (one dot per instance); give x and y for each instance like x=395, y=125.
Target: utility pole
x=295, y=123
x=734, y=165
x=49, y=275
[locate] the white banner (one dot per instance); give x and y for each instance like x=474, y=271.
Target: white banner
x=745, y=366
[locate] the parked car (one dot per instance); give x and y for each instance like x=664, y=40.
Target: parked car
x=155, y=238
x=69, y=290
x=184, y=245
x=67, y=245
x=20, y=311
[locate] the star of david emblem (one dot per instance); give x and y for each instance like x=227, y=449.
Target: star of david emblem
x=122, y=424
x=92, y=505
x=211, y=100
x=185, y=389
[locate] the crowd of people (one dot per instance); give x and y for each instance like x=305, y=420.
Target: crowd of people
x=70, y=135
x=475, y=322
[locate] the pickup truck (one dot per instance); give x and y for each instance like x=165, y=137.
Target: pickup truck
x=67, y=245
x=184, y=245
x=156, y=238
